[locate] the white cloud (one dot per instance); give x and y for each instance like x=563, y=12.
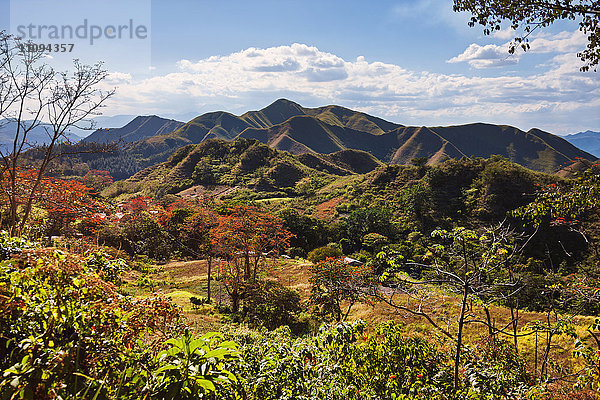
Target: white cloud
x=564, y=42
x=557, y=98
x=118, y=78
x=486, y=56
x=505, y=34
x=491, y=55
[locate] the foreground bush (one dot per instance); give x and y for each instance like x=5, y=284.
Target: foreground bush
x=65, y=333
x=341, y=362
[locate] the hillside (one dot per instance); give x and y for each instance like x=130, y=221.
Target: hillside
x=343, y=162
x=244, y=164
x=332, y=185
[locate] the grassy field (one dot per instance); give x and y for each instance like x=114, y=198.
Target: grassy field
x=181, y=280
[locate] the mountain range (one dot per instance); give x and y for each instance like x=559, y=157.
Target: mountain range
x=285, y=125
x=330, y=130
x=588, y=141
x=36, y=136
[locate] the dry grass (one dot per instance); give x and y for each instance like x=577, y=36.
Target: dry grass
x=326, y=210
x=477, y=335
x=445, y=309
x=186, y=279
x=564, y=391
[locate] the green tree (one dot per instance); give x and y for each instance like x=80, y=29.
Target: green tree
x=271, y=304
x=309, y=232
x=558, y=207
x=471, y=264
x=374, y=241
x=533, y=14
x=368, y=220
x=335, y=283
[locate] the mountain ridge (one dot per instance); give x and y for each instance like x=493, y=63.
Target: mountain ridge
x=36, y=136
x=141, y=127
x=286, y=125
x=588, y=141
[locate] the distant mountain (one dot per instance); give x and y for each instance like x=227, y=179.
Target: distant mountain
x=139, y=128
x=101, y=122
x=588, y=141
x=37, y=136
x=74, y=133
x=224, y=125
x=288, y=126
x=285, y=125
x=534, y=149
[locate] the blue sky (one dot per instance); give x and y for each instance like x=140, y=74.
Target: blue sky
x=412, y=62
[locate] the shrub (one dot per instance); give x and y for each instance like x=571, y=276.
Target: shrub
x=198, y=301
x=297, y=252
x=323, y=253
x=193, y=368
x=498, y=372
x=66, y=333
x=270, y=304
x=13, y=245
x=109, y=270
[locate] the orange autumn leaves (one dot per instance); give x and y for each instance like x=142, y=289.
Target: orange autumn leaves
x=64, y=201
x=248, y=231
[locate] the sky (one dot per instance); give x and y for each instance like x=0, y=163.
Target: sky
x=411, y=62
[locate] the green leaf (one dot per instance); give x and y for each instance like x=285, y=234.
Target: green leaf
x=206, y=384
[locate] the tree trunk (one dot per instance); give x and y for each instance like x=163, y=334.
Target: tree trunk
x=549, y=335
x=489, y=322
x=461, y=322
x=247, y=265
x=209, y=260
x=535, y=359
x=256, y=261
x=235, y=301
x=514, y=313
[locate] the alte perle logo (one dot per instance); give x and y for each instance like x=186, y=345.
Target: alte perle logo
x=83, y=31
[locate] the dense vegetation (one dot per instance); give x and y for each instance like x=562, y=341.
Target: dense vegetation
x=493, y=266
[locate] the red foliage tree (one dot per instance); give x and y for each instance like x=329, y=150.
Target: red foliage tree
x=15, y=188
x=198, y=230
x=67, y=202
x=137, y=204
x=245, y=233
x=248, y=232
